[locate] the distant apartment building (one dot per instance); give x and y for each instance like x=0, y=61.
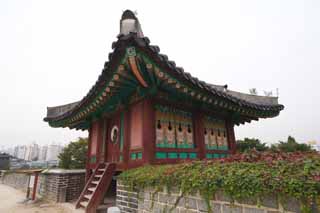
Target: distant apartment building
x=53, y=152
x=43, y=153
x=21, y=152
x=32, y=152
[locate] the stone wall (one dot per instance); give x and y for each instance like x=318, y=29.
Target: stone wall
x=57, y=185
x=147, y=201
x=16, y=180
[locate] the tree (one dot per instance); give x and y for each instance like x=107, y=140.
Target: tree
x=267, y=93
x=291, y=146
x=253, y=91
x=74, y=155
x=251, y=143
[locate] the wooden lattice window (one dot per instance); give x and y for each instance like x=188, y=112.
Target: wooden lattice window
x=173, y=128
x=215, y=134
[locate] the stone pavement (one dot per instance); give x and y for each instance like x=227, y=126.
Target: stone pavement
x=12, y=201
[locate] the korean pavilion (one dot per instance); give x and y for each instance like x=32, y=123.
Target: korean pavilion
x=143, y=109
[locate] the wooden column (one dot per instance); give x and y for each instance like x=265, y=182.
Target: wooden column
x=100, y=145
x=198, y=129
x=34, y=189
x=88, y=156
x=231, y=136
x=126, y=139
x=105, y=141
x=148, y=136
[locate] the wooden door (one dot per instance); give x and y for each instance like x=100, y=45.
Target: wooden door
x=113, y=139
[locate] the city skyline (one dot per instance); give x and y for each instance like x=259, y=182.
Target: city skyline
x=35, y=152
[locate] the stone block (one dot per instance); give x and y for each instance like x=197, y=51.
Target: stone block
x=291, y=204
x=133, y=205
x=140, y=204
x=202, y=205
x=248, y=201
x=172, y=199
x=215, y=207
x=163, y=198
x=182, y=202
x=191, y=203
x=252, y=210
x=187, y=211
x=147, y=205
x=231, y=208
x=221, y=196
x=157, y=208
x=126, y=209
x=270, y=202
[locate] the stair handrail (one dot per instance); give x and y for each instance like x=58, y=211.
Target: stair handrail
x=102, y=187
x=86, y=186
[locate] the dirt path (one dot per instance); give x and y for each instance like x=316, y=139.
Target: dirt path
x=11, y=201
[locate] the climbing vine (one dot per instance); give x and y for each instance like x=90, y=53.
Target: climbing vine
x=241, y=176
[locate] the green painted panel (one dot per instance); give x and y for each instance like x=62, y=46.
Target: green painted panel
x=185, y=146
x=139, y=155
x=121, y=130
x=172, y=155
x=183, y=155
x=93, y=159
x=133, y=156
x=161, y=155
x=121, y=158
x=223, y=147
x=165, y=144
x=214, y=147
x=209, y=156
x=193, y=155
x=216, y=156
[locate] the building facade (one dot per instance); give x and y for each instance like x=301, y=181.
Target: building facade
x=43, y=153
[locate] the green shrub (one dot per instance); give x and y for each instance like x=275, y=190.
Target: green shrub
x=240, y=177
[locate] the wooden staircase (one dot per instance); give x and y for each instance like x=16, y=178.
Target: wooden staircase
x=96, y=187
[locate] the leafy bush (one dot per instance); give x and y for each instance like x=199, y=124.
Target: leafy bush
x=291, y=146
x=249, y=144
x=74, y=155
x=241, y=176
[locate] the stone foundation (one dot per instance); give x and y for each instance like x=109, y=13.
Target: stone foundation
x=147, y=201
x=57, y=185
x=61, y=185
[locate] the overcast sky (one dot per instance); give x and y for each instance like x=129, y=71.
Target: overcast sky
x=51, y=53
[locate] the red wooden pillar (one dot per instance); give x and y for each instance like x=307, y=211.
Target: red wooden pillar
x=100, y=157
x=231, y=136
x=148, y=136
x=36, y=176
x=126, y=139
x=88, y=156
x=198, y=129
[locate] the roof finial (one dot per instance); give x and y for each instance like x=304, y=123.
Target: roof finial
x=130, y=23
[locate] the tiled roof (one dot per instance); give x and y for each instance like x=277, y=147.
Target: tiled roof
x=262, y=103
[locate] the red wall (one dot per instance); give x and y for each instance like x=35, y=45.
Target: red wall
x=136, y=128
x=94, y=138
